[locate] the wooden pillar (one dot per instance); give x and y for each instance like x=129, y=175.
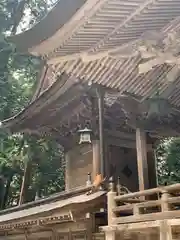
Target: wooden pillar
x=67, y=174
x=111, y=203
x=100, y=94
x=142, y=164
x=152, y=171
x=96, y=158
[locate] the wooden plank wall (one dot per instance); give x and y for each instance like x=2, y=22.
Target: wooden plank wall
x=80, y=164
x=121, y=158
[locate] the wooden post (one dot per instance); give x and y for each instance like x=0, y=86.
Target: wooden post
x=136, y=210
x=111, y=202
x=164, y=202
x=152, y=169
x=165, y=231
x=110, y=235
x=142, y=165
x=96, y=157
x=100, y=94
x=54, y=234
x=152, y=174
x=26, y=234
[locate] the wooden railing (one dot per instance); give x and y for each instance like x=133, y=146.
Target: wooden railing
x=138, y=206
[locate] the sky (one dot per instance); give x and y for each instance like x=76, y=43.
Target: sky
x=24, y=25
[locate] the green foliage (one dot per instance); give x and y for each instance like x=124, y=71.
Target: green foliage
x=45, y=157
x=18, y=77
x=168, y=159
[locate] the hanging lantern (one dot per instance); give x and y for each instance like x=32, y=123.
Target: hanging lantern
x=158, y=107
x=85, y=135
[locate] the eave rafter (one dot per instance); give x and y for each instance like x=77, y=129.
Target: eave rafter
x=108, y=24
x=118, y=68
x=114, y=73
x=94, y=43
x=142, y=6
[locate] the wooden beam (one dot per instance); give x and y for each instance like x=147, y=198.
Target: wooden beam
x=121, y=134
x=121, y=142
x=87, y=57
x=142, y=159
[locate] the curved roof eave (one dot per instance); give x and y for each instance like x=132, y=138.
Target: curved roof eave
x=48, y=26
x=49, y=206
x=12, y=122
x=59, y=89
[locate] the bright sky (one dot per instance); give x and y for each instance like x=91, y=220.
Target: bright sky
x=27, y=17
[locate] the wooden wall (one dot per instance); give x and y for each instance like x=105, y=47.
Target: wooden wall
x=79, y=162
x=123, y=164
x=120, y=162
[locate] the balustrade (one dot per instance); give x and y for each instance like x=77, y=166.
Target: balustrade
x=138, y=208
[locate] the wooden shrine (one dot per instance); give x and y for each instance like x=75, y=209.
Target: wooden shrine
x=111, y=66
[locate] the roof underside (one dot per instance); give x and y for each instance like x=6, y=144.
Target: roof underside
x=103, y=24
x=68, y=105
x=81, y=47
x=64, y=108
x=98, y=45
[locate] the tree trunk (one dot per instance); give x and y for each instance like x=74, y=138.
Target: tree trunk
x=8, y=184
x=2, y=190
x=24, y=196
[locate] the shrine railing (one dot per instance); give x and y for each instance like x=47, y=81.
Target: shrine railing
x=159, y=203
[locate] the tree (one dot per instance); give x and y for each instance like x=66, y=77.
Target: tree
x=43, y=173
x=168, y=164
x=23, y=157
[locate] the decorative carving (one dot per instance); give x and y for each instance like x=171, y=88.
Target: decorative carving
x=137, y=113
x=57, y=219
x=157, y=49
x=127, y=171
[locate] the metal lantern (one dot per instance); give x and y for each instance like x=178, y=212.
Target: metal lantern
x=85, y=135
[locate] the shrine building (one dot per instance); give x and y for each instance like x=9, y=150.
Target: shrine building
x=108, y=91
